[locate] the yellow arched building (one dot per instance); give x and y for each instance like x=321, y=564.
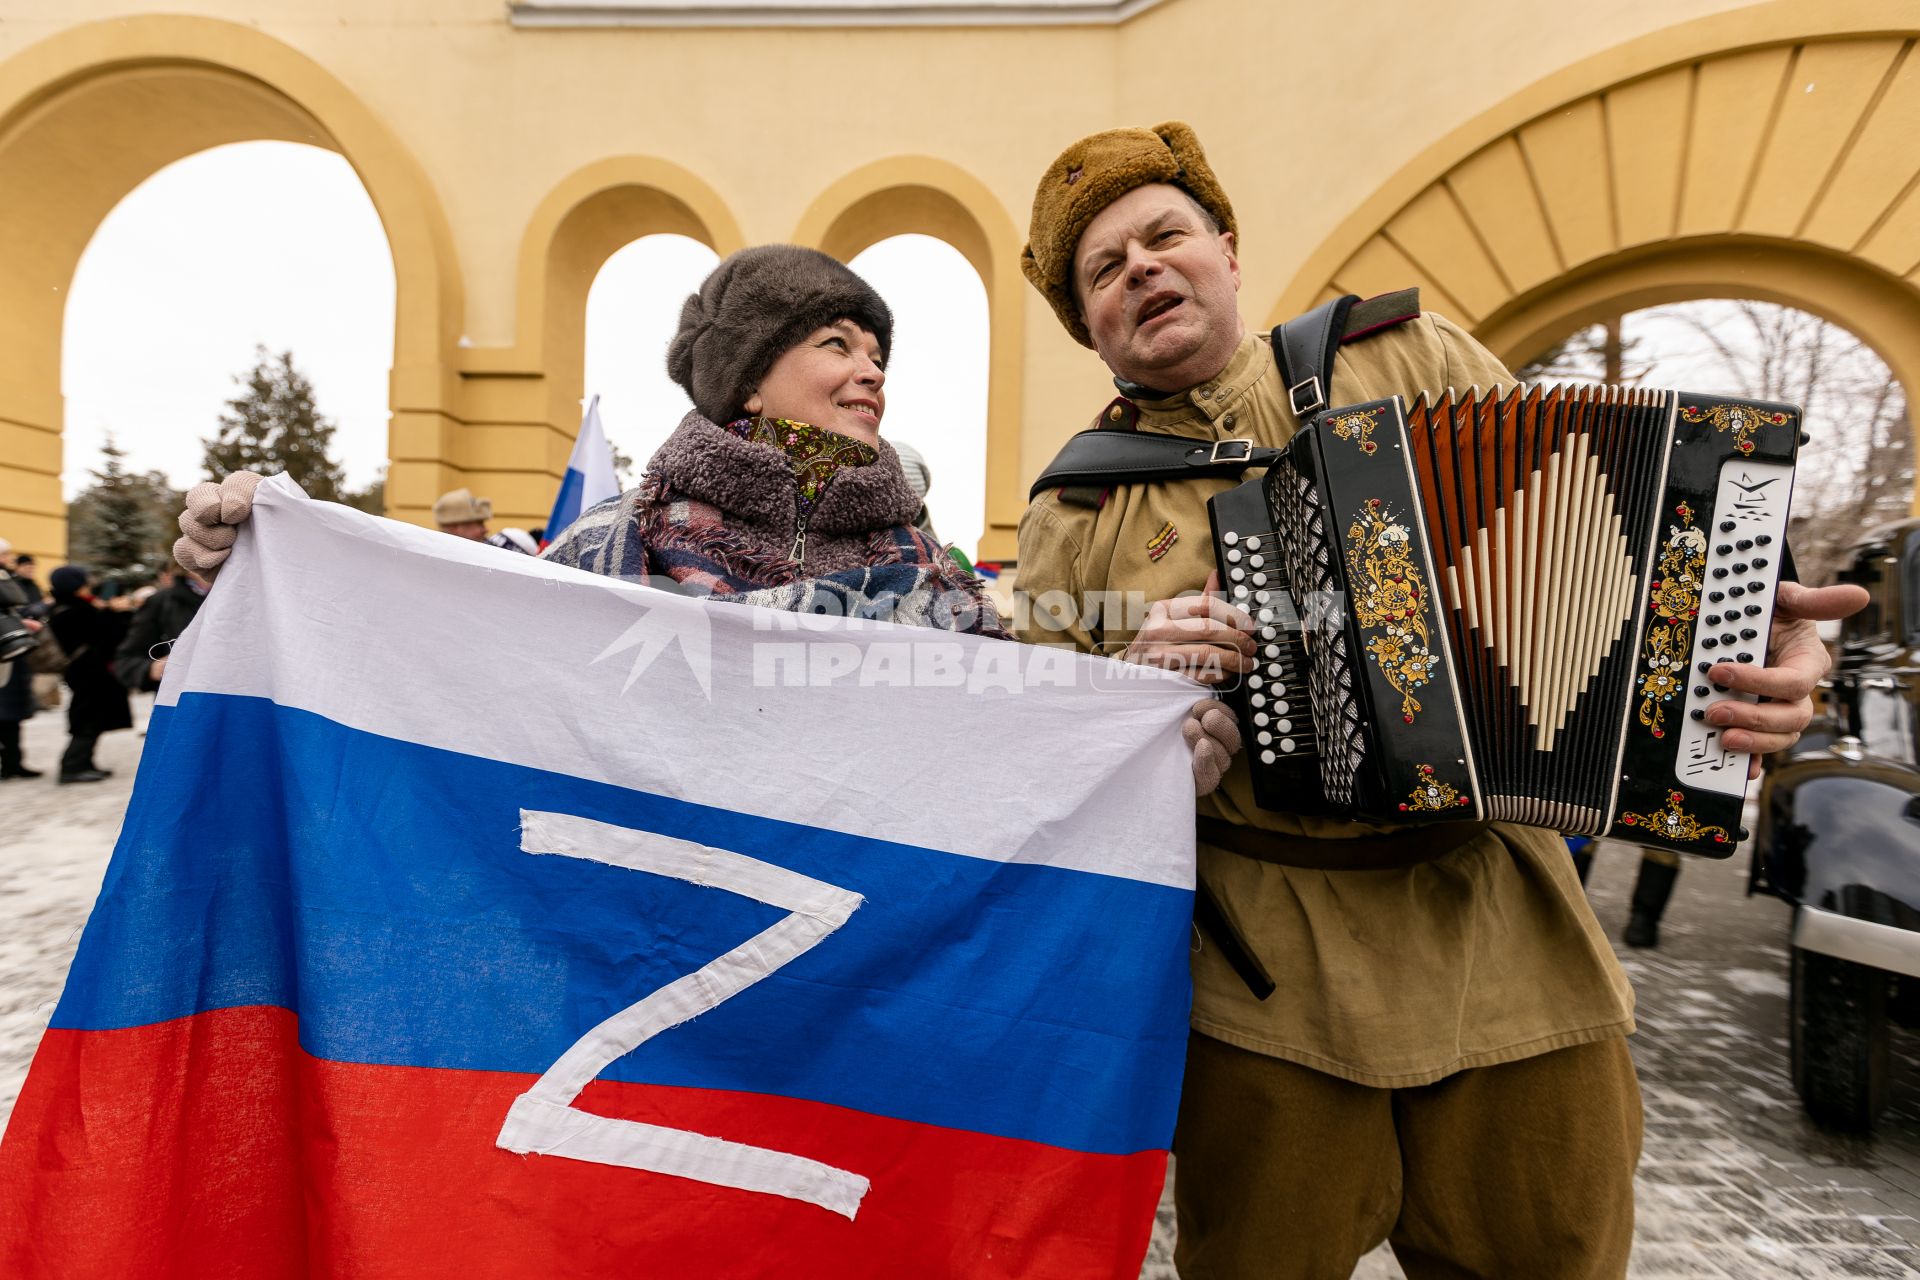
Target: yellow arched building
x=1532, y=171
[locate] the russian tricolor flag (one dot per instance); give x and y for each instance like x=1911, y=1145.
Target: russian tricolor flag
x=478, y=917
x=589, y=480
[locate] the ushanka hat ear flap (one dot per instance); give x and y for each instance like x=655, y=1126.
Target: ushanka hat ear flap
x=754, y=306
x=1090, y=175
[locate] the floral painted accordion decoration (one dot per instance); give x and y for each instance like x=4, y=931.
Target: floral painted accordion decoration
x=1505, y=607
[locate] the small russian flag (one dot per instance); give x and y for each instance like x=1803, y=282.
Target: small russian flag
x=589, y=479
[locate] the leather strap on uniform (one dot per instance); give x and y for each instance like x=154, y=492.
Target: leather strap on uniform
x=1393, y=852
x=1100, y=458
x=1304, y=348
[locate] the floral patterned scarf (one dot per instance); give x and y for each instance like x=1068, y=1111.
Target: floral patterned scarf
x=815, y=452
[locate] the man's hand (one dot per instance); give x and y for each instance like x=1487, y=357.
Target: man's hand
x=208, y=525
x=1796, y=662
x=1213, y=737
x=1201, y=636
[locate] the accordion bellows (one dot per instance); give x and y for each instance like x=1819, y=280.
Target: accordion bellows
x=1505, y=607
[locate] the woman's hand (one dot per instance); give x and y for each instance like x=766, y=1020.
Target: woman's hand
x=1213, y=736
x=210, y=523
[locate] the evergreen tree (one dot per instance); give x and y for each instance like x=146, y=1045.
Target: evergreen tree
x=120, y=526
x=274, y=426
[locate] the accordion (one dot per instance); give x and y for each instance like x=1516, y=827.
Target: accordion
x=1504, y=607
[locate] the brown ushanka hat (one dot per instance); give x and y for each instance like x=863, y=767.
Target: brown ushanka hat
x=1090, y=175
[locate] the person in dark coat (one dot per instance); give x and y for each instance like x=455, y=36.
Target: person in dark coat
x=90, y=635
x=16, y=677
x=142, y=656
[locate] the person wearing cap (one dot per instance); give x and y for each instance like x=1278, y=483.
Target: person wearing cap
x=1443, y=1063
x=463, y=515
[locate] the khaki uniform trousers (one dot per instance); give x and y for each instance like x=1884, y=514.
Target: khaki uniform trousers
x=1522, y=1170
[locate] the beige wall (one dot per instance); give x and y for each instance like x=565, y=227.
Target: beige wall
x=1357, y=140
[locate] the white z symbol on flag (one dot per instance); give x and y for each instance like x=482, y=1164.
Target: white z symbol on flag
x=543, y=1120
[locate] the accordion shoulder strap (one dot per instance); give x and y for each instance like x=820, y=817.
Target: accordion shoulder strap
x=1103, y=458
x=1304, y=348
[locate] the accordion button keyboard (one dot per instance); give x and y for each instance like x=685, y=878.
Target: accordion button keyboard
x=1750, y=501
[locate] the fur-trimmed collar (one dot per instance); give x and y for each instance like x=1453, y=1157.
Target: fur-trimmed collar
x=755, y=482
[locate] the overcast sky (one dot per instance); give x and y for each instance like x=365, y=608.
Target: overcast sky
x=276, y=244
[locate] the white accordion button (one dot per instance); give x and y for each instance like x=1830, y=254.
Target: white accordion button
x=1263, y=738
x=1254, y=682
x=1282, y=707
x=1257, y=561
x=1259, y=579
x=1273, y=651
x=1285, y=726
x=1236, y=574
x=1259, y=699
x=1260, y=717
x=1253, y=544
x=1286, y=744
x=1267, y=757
x=1269, y=633
x=1229, y=537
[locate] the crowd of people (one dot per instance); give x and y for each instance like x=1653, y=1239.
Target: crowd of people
x=1443, y=1061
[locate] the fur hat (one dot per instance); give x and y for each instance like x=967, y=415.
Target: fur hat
x=461, y=507
x=1090, y=175
x=754, y=306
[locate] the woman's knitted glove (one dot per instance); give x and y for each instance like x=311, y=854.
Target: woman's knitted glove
x=1213, y=735
x=208, y=523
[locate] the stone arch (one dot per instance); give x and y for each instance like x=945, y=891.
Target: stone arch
x=919, y=194
x=586, y=219
x=1733, y=156
x=133, y=95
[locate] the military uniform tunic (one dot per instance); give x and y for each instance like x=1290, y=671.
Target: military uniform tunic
x=1388, y=978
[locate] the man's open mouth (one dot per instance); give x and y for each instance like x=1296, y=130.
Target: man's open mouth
x=1158, y=307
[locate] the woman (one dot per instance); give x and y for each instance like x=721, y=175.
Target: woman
x=89, y=634
x=777, y=489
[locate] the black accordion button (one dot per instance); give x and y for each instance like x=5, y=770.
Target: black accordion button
x=1748, y=633
x=1724, y=549
x=1698, y=714
x=1721, y=572
x=1700, y=691
x=1716, y=596
x=1760, y=562
x=1727, y=638
x=1743, y=657
x=1740, y=568
x=1712, y=619
x=1752, y=611
x=1727, y=526
x=1709, y=643
x=1745, y=544
x=1763, y=540
x=1756, y=587
x=1736, y=592
x=1705, y=667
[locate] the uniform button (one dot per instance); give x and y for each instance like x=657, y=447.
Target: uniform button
x=1227, y=421
x=1114, y=414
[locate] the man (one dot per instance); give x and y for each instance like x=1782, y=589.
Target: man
x=141, y=659
x=1443, y=1063
x=463, y=515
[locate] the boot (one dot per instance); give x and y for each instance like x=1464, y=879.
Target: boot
x=1650, y=893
